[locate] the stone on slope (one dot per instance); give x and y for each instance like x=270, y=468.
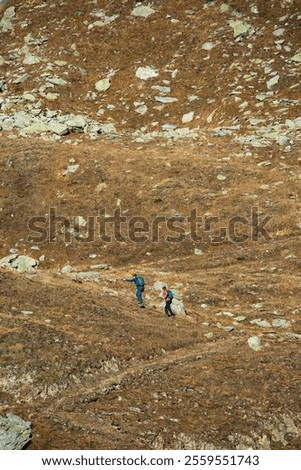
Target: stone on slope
x=165, y=99
x=19, y=262
x=143, y=11
x=76, y=123
x=158, y=285
x=188, y=117
x=15, y=433
x=178, y=307
x=297, y=57
x=57, y=128
x=6, y=21
x=273, y=81
x=144, y=73
x=254, y=343
x=240, y=28
x=103, y=85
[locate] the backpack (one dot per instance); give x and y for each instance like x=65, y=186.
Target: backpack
x=140, y=281
x=170, y=294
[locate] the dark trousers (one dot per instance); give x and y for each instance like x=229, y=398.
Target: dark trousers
x=168, y=311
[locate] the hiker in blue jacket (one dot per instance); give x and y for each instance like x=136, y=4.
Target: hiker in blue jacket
x=139, y=282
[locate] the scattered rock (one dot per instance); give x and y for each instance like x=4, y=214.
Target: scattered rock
x=158, y=285
x=279, y=323
x=208, y=46
x=71, y=169
x=67, y=269
x=240, y=28
x=6, y=21
x=293, y=335
x=259, y=322
x=57, y=128
x=254, y=343
x=21, y=263
x=178, y=307
x=87, y=276
x=15, y=433
x=99, y=266
x=272, y=82
x=165, y=99
x=103, y=85
x=143, y=11
x=297, y=57
x=144, y=73
x=188, y=117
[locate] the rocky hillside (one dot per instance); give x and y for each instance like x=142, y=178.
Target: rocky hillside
x=161, y=138
x=171, y=68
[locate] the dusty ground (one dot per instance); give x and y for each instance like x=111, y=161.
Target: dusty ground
x=87, y=367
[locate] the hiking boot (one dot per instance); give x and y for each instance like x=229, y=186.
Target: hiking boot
x=142, y=306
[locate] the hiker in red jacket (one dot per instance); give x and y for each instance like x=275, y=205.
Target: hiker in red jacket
x=168, y=296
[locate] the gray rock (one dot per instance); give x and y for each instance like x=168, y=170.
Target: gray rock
x=57, y=81
x=76, y=123
x=293, y=335
x=240, y=318
x=224, y=8
x=225, y=328
x=71, y=169
x=144, y=73
x=21, y=78
x=87, y=276
x=2, y=85
x=143, y=11
x=165, y=99
x=6, y=21
x=99, y=266
x=15, y=433
x=103, y=85
x=28, y=96
x=22, y=119
x=209, y=335
x=19, y=262
x=273, y=81
x=178, y=307
x=57, y=128
x=107, y=128
x=259, y=322
x=279, y=32
x=158, y=285
x=188, y=117
x=207, y=46
x=294, y=123
x=31, y=59
x=141, y=109
x=240, y=28
x=67, y=269
x=279, y=323
x=35, y=128
x=296, y=57
x=52, y=96
x=161, y=89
